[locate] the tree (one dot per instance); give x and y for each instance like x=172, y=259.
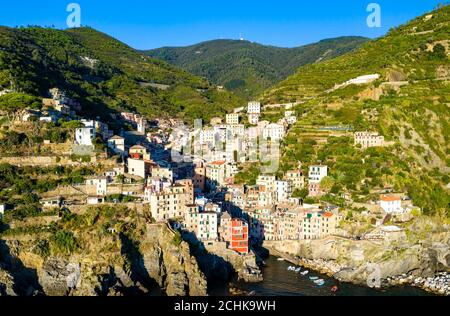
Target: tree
x=63, y=242
x=439, y=52
x=326, y=184
x=302, y=194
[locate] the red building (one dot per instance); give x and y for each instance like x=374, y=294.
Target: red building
x=239, y=235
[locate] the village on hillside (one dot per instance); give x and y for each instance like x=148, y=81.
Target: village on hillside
x=185, y=176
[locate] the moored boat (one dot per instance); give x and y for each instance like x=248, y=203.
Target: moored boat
x=319, y=282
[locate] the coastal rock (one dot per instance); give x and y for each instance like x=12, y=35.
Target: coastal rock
x=361, y=262
x=171, y=264
x=220, y=263
x=6, y=284
x=58, y=276
x=157, y=262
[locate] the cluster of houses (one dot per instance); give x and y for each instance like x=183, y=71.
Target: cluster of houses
x=292, y=222
x=57, y=106
x=180, y=201
x=199, y=194
x=84, y=136
x=232, y=142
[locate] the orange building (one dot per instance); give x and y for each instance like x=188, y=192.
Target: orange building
x=239, y=235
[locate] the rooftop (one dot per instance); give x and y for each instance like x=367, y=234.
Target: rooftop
x=137, y=147
x=217, y=163
x=389, y=198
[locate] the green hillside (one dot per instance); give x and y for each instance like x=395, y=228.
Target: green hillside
x=103, y=73
x=248, y=68
x=408, y=104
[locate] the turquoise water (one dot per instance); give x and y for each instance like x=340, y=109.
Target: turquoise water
x=278, y=281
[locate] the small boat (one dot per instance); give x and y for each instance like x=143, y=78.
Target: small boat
x=334, y=289
x=304, y=272
x=313, y=278
x=298, y=270
x=252, y=293
x=319, y=282
x=280, y=259
x=291, y=268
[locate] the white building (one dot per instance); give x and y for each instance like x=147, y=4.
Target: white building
x=169, y=203
x=254, y=108
x=268, y=181
x=254, y=112
x=141, y=125
x=369, y=139
x=232, y=119
x=84, y=136
x=207, y=226
x=274, y=132
x=266, y=198
x=94, y=200
x=253, y=118
x=317, y=173
x=215, y=174
x=139, y=167
x=203, y=224
x=97, y=186
x=236, y=130
x=2, y=211
x=208, y=136
x=391, y=204
x=51, y=202
x=283, y=190
x=117, y=144
x=296, y=178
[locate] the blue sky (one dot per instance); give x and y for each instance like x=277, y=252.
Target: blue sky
x=150, y=24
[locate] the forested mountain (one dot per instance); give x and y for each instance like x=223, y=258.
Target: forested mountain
x=248, y=68
x=102, y=72
x=408, y=104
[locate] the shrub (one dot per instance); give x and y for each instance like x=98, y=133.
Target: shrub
x=177, y=239
x=63, y=242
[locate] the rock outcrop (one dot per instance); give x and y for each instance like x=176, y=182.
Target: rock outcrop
x=171, y=264
x=353, y=261
x=6, y=284
x=220, y=264
x=154, y=264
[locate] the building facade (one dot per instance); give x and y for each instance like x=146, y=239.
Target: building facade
x=369, y=139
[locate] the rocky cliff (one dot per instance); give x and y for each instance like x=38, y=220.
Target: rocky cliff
x=121, y=265
x=362, y=262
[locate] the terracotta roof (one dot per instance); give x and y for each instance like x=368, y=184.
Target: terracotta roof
x=389, y=198
x=217, y=163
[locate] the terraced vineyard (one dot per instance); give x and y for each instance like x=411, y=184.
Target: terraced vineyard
x=408, y=105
